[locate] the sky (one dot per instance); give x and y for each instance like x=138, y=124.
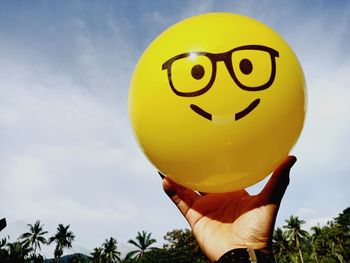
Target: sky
x=67, y=151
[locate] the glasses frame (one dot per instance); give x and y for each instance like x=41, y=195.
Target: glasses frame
x=226, y=57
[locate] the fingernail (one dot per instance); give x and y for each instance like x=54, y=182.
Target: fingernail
x=161, y=175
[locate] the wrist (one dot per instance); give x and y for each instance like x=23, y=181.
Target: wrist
x=246, y=255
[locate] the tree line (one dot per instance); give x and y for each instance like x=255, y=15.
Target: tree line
x=291, y=243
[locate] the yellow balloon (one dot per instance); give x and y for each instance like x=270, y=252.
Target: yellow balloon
x=217, y=101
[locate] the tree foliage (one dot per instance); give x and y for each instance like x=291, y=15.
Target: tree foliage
x=291, y=243
x=327, y=244
x=143, y=243
x=110, y=251
x=35, y=237
x=180, y=246
x=63, y=239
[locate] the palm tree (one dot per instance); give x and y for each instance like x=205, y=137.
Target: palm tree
x=35, y=237
x=17, y=252
x=335, y=251
x=295, y=234
x=110, y=251
x=3, y=251
x=336, y=241
x=317, y=232
x=279, y=244
x=63, y=239
x=143, y=243
x=97, y=255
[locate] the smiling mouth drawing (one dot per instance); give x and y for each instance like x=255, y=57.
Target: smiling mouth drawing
x=227, y=118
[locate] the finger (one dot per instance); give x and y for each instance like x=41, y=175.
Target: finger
x=182, y=197
x=279, y=181
x=161, y=175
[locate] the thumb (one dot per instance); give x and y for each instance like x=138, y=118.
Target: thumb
x=275, y=188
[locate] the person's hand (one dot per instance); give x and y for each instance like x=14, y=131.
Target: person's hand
x=222, y=222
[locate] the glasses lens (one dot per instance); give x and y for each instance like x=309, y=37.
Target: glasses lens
x=252, y=68
x=191, y=73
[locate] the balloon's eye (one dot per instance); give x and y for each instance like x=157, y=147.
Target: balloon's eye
x=246, y=66
x=252, y=68
x=191, y=74
x=198, y=71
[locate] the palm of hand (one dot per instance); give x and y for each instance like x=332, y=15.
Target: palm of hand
x=221, y=222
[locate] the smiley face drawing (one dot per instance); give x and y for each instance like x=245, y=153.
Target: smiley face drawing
x=217, y=101
x=198, y=71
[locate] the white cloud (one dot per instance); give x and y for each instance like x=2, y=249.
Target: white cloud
x=27, y=173
x=8, y=117
x=68, y=155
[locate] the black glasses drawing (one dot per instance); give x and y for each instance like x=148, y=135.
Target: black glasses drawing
x=198, y=71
